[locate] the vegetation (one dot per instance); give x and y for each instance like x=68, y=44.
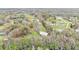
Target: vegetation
x=38, y=31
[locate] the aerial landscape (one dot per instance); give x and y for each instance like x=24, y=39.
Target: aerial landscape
x=39, y=29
